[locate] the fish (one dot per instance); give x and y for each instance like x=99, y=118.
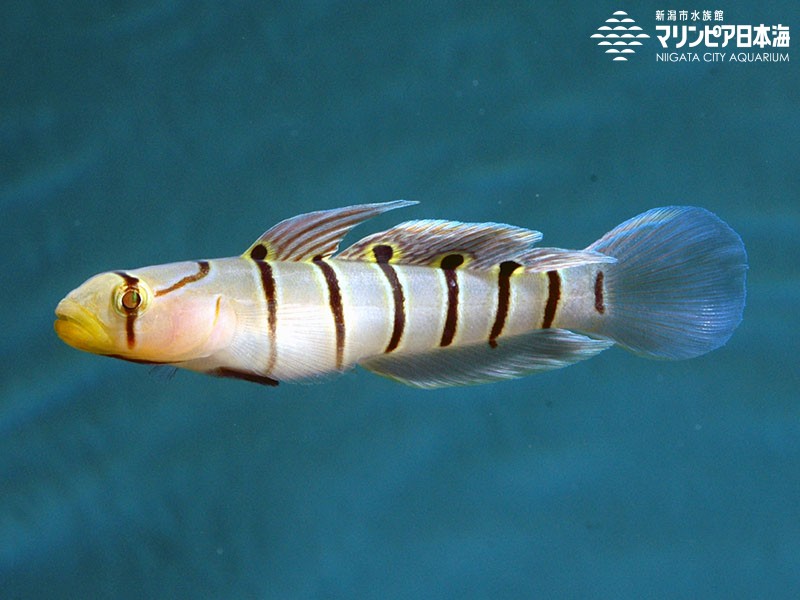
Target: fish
x=429, y=303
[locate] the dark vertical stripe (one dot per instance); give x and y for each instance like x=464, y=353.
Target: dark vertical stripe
x=335, y=300
x=259, y=252
x=503, y=299
x=599, y=305
x=268, y=286
x=553, y=295
x=130, y=315
x=449, y=264
x=203, y=269
x=383, y=254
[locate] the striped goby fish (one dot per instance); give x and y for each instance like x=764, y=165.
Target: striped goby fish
x=429, y=303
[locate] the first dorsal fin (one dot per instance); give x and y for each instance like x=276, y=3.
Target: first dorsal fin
x=315, y=234
x=427, y=242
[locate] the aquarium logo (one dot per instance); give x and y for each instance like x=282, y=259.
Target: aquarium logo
x=703, y=41
x=620, y=36
x=695, y=35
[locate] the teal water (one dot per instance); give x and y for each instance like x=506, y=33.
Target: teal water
x=148, y=132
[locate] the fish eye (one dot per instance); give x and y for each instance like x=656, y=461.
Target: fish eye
x=131, y=299
x=128, y=299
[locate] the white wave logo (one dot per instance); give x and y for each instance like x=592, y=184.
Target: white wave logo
x=620, y=33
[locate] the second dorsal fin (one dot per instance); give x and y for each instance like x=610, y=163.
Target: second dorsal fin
x=315, y=234
x=550, y=259
x=427, y=242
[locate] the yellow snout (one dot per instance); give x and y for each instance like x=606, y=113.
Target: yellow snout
x=79, y=328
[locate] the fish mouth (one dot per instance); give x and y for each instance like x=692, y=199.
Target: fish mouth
x=79, y=328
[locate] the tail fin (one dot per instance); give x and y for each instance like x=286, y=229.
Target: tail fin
x=677, y=289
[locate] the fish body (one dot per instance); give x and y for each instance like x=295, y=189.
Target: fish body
x=429, y=303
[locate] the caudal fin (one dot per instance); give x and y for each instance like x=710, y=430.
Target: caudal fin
x=677, y=289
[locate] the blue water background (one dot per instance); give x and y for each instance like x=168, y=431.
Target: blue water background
x=135, y=133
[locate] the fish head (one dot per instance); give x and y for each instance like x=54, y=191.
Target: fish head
x=146, y=315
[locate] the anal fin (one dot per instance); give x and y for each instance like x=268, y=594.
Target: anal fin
x=541, y=350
